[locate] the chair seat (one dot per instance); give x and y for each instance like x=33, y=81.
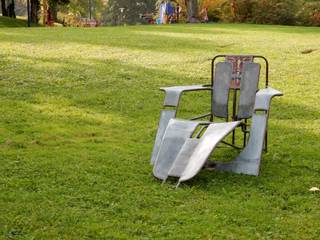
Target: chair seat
x=181, y=155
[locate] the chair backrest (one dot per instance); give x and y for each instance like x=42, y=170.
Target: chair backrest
x=246, y=73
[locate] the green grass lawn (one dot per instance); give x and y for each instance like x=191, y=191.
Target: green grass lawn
x=6, y=22
x=19, y=22
x=78, y=116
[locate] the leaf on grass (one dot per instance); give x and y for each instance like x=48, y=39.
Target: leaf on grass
x=314, y=189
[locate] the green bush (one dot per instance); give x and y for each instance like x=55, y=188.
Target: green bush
x=285, y=12
x=214, y=15
x=276, y=11
x=309, y=14
x=246, y=10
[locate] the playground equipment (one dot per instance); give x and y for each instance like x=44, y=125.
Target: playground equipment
x=182, y=147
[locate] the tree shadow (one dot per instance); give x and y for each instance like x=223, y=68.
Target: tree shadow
x=176, y=43
x=130, y=92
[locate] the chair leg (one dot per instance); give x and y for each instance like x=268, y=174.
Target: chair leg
x=248, y=161
x=234, y=117
x=266, y=141
x=165, y=117
x=245, y=133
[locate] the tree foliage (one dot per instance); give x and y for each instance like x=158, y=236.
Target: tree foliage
x=309, y=14
x=82, y=8
x=287, y=12
x=290, y=12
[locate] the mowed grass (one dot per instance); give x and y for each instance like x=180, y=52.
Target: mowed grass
x=78, y=116
x=6, y=22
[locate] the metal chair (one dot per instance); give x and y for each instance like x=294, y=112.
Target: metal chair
x=182, y=147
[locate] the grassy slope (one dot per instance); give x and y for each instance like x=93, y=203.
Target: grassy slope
x=6, y=22
x=79, y=111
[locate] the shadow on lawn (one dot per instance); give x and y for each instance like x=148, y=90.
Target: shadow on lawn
x=66, y=77
x=128, y=40
x=69, y=95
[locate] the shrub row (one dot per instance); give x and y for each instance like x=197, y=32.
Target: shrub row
x=286, y=12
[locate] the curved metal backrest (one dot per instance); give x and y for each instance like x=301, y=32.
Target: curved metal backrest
x=221, y=86
x=223, y=78
x=237, y=65
x=248, y=89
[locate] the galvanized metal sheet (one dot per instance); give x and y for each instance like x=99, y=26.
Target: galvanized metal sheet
x=177, y=132
x=183, y=157
x=221, y=85
x=264, y=96
x=165, y=117
x=248, y=162
x=248, y=88
x=173, y=94
x=210, y=139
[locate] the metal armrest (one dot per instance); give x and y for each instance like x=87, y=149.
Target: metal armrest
x=172, y=99
x=263, y=98
x=173, y=94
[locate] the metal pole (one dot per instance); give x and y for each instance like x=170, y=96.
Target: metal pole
x=28, y=13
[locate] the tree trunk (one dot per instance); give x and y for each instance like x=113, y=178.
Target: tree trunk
x=4, y=8
x=11, y=9
x=45, y=11
x=192, y=11
x=35, y=7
